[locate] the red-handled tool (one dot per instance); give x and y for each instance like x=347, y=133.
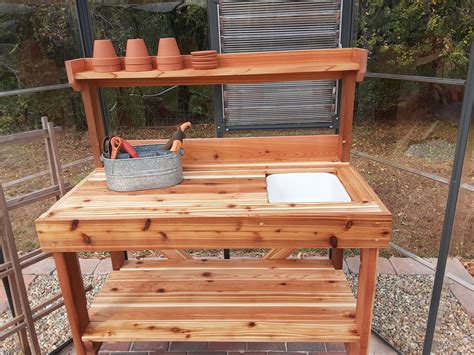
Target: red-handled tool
x=118, y=144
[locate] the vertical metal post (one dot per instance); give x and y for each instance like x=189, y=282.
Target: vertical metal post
x=467, y=116
x=347, y=33
x=87, y=45
x=213, y=23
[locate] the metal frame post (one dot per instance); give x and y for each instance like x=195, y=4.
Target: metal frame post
x=87, y=45
x=347, y=33
x=467, y=116
x=213, y=23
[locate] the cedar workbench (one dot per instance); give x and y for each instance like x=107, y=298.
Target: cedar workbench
x=222, y=203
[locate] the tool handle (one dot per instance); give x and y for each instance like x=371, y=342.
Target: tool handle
x=116, y=143
x=184, y=126
x=129, y=149
x=176, y=145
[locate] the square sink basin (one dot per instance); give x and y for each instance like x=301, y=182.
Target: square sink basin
x=306, y=187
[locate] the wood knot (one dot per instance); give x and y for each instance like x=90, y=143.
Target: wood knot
x=188, y=336
x=160, y=290
x=251, y=324
x=333, y=241
x=349, y=224
x=176, y=330
x=74, y=224
x=206, y=274
x=231, y=205
x=86, y=238
x=139, y=262
x=114, y=289
x=147, y=224
x=163, y=235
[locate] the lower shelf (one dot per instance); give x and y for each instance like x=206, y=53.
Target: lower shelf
x=222, y=300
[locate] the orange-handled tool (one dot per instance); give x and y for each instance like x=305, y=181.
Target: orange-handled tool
x=178, y=135
x=176, y=146
x=118, y=144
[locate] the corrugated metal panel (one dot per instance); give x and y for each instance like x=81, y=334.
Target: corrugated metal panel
x=247, y=26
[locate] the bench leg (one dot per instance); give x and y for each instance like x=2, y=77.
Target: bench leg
x=72, y=288
x=118, y=258
x=365, y=300
x=337, y=257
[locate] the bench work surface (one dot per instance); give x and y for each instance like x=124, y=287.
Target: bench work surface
x=211, y=300
x=214, y=208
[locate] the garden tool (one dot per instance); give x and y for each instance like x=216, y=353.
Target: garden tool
x=178, y=135
x=119, y=144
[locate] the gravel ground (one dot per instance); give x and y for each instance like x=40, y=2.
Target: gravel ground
x=433, y=151
x=400, y=314
x=401, y=311
x=53, y=329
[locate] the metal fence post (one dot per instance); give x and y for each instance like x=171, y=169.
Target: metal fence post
x=467, y=115
x=213, y=23
x=87, y=45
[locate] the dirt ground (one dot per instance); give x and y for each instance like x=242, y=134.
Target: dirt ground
x=417, y=203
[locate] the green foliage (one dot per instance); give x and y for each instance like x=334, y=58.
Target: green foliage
x=418, y=37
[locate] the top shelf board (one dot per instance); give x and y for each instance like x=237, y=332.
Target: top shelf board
x=239, y=68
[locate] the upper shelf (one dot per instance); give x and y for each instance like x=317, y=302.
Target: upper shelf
x=238, y=68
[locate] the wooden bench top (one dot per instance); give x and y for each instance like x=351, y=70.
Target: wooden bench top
x=216, y=300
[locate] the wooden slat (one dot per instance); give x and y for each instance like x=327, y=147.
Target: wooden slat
x=248, y=330
x=212, y=300
x=16, y=138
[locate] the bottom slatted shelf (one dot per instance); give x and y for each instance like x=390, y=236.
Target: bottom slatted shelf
x=222, y=300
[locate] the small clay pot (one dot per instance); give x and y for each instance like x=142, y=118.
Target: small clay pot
x=138, y=67
x=203, y=53
x=137, y=58
x=168, y=47
x=206, y=60
x=202, y=67
x=206, y=64
x=169, y=60
x=104, y=57
x=170, y=67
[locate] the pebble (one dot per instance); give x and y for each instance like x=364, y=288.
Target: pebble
x=52, y=330
x=401, y=311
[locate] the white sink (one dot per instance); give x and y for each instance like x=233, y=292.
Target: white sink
x=305, y=187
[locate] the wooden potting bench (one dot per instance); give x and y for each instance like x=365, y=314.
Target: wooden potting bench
x=222, y=203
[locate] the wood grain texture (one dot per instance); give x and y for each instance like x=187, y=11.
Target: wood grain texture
x=236, y=68
x=213, y=209
x=72, y=288
x=216, y=300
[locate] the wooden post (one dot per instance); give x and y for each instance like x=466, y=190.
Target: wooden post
x=90, y=99
x=118, y=258
x=337, y=257
x=54, y=158
x=365, y=300
x=346, y=115
x=22, y=305
x=70, y=280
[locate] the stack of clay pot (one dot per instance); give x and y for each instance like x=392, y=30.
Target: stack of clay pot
x=204, y=59
x=137, y=58
x=105, y=59
x=169, y=57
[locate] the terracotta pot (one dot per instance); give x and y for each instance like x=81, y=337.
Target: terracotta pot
x=206, y=64
x=107, y=68
x=201, y=67
x=136, y=48
x=203, y=53
x=104, y=57
x=170, y=67
x=137, y=60
x=169, y=60
x=168, y=47
x=203, y=60
x=138, y=67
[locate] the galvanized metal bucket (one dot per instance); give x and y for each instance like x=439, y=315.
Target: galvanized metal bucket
x=155, y=169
